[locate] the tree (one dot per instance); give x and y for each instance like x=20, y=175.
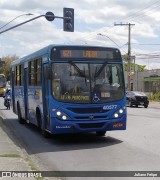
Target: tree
x=140, y=67
x=5, y=69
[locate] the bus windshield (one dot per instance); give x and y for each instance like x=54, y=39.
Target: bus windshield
x=92, y=82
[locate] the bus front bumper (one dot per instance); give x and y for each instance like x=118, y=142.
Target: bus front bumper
x=60, y=127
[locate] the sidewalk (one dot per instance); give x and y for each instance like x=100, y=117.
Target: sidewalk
x=12, y=158
x=13, y=155
x=154, y=104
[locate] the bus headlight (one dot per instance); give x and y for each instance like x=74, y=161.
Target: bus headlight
x=120, y=112
x=58, y=113
x=116, y=115
x=64, y=117
x=61, y=115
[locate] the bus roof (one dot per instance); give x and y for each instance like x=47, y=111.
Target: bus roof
x=46, y=51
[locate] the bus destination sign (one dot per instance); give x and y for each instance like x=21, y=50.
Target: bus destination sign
x=86, y=54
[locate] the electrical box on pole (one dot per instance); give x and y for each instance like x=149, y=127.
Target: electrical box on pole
x=68, y=19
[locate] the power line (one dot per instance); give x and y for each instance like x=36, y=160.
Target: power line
x=143, y=12
x=143, y=9
x=147, y=44
x=133, y=16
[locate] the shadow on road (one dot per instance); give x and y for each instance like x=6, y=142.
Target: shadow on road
x=30, y=138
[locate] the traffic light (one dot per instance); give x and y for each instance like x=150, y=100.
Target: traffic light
x=68, y=19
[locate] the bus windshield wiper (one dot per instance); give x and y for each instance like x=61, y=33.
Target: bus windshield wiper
x=81, y=73
x=97, y=73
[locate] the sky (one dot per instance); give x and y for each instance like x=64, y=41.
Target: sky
x=94, y=24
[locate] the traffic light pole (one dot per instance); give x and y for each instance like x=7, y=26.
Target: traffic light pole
x=49, y=16
x=21, y=24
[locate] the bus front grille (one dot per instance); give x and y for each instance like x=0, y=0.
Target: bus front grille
x=92, y=125
x=87, y=110
x=90, y=117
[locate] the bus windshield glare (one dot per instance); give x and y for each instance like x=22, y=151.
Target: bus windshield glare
x=83, y=82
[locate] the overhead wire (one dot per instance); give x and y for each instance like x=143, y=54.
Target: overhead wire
x=139, y=14
x=132, y=15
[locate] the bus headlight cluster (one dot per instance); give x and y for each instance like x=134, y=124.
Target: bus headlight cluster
x=58, y=113
x=119, y=112
x=61, y=115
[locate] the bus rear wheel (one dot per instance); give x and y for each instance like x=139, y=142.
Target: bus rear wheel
x=101, y=133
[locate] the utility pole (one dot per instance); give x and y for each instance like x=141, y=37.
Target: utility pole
x=129, y=51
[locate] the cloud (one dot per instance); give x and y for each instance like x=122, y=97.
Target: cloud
x=91, y=17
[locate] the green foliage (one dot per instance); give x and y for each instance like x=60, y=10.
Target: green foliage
x=140, y=67
x=5, y=69
x=155, y=97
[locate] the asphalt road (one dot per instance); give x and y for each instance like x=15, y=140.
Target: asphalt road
x=136, y=149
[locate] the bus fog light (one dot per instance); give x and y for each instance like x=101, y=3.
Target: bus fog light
x=64, y=117
x=121, y=111
x=116, y=115
x=58, y=113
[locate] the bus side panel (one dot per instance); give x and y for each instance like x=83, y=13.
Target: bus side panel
x=25, y=85
x=19, y=99
x=34, y=102
x=12, y=92
x=46, y=106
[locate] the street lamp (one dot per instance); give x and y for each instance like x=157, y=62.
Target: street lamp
x=111, y=40
x=28, y=14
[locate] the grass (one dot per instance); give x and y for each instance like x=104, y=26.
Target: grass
x=33, y=167
x=10, y=155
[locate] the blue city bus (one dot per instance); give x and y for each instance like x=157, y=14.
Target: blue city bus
x=70, y=89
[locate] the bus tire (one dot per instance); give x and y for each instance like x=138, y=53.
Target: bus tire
x=20, y=119
x=39, y=119
x=101, y=133
x=45, y=133
x=39, y=124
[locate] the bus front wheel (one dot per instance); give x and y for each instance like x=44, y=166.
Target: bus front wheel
x=101, y=133
x=20, y=119
x=39, y=122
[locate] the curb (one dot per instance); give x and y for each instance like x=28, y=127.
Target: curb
x=12, y=157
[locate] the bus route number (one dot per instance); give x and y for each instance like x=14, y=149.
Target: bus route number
x=67, y=53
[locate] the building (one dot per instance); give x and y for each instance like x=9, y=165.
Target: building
x=146, y=81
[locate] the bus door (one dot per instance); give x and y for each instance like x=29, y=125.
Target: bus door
x=46, y=97
x=26, y=92
x=12, y=94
